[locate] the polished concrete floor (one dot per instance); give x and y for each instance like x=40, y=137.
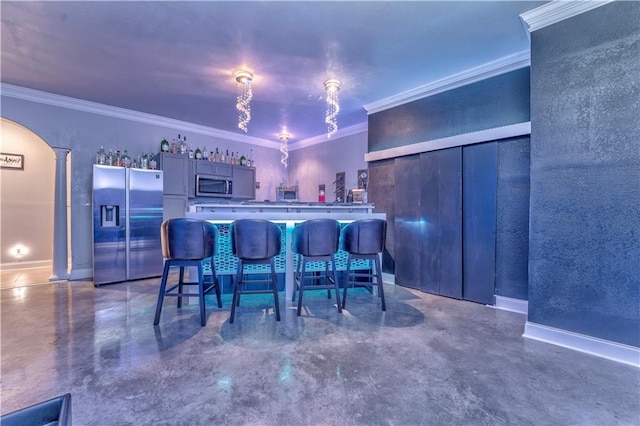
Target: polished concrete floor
x=24, y=277
x=428, y=360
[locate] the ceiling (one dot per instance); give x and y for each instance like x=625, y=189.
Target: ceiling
x=178, y=59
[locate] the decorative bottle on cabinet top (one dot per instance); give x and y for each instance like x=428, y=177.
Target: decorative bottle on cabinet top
x=101, y=156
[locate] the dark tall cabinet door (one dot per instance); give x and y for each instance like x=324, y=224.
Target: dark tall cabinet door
x=441, y=219
x=407, y=221
x=479, y=221
x=381, y=190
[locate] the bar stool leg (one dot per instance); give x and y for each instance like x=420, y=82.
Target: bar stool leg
x=163, y=285
x=203, y=313
x=180, y=282
x=216, y=282
x=326, y=276
x=380, y=282
x=274, y=283
x=346, y=281
x=301, y=286
x=335, y=282
x=297, y=279
x=236, y=288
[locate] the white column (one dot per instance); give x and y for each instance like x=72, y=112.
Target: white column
x=60, y=250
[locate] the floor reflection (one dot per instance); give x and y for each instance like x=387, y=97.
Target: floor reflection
x=24, y=277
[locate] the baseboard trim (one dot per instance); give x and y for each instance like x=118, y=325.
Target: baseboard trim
x=512, y=305
x=12, y=266
x=81, y=274
x=388, y=278
x=613, y=351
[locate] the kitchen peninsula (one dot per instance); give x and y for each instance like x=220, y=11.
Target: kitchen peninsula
x=287, y=214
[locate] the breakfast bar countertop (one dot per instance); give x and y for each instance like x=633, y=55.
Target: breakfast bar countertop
x=279, y=207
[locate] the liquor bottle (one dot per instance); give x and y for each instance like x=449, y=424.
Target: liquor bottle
x=191, y=152
x=164, y=146
x=152, y=163
x=126, y=160
x=198, y=154
x=212, y=156
x=243, y=160
x=250, y=159
x=144, y=161
x=101, y=156
x=183, y=146
x=226, y=155
x=217, y=155
x=174, y=145
x=205, y=153
x=117, y=159
x=109, y=158
x=233, y=159
x=223, y=158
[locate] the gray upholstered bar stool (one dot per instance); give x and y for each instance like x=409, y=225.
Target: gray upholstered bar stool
x=364, y=239
x=187, y=243
x=255, y=242
x=316, y=240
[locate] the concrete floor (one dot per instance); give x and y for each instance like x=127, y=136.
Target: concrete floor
x=428, y=360
x=23, y=277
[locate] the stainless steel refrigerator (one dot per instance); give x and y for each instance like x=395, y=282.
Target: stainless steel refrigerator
x=127, y=215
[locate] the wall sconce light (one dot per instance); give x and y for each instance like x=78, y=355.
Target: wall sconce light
x=332, y=87
x=284, y=149
x=244, y=79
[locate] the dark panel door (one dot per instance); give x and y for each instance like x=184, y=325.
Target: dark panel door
x=381, y=190
x=430, y=216
x=407, y=221
x=479, y=221
x=441, y=218
x=451, y=222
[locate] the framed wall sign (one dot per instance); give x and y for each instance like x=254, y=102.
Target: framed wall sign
x=12, y=161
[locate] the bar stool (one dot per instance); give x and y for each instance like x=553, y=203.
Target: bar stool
x=255, y=242
x=316, y=240
x=364, y=239
x=187, y=243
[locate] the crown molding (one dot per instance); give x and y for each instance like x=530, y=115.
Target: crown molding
x=52, y=99
x=347, y=131
x=493, y=134
x=556, y=11
x=472, y=75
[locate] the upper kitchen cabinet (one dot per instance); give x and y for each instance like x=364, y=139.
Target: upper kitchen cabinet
x=175, y=167
x=204, y=167
x=244, y=182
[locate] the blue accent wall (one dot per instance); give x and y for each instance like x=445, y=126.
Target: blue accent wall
x=494, y=102
x=584, y=253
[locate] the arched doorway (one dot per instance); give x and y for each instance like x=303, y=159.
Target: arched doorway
x=26, y=206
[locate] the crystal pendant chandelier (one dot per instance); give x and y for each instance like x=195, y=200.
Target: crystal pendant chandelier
x=284, y=149
x=244, y=79
x=332, y=87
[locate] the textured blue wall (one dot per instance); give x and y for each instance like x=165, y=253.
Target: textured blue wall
x=512, y=218
x=584, y=253
x=495, y=102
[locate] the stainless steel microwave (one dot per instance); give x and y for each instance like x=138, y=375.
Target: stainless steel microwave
x=212, y=186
